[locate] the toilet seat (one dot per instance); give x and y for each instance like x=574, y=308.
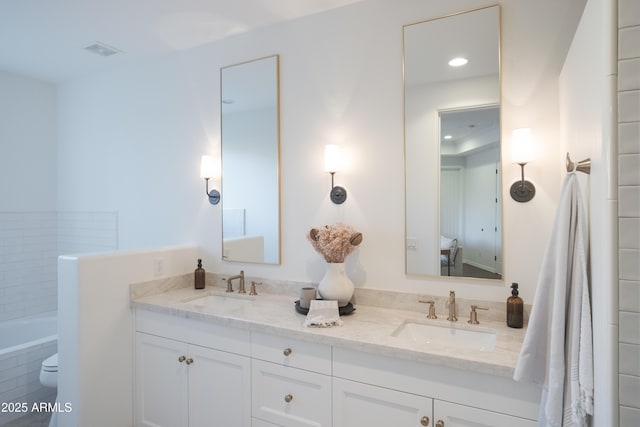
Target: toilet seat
x=50, y=364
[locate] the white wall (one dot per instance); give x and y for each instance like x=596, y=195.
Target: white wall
x=95, y=330
x=27, y=144
x=130, y=140
x=586, y=114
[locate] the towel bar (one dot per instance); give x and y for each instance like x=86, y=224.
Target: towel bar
x=583, y=165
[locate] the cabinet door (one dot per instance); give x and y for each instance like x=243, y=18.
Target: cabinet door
x=219, y=388
x=454, y=415
x=357, y=404
x=290, y=397
x=161, y=382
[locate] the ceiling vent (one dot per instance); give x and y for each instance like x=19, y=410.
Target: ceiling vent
x=102, y=49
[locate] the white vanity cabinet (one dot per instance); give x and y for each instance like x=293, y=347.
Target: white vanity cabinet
x=195, y=373
x=367, y=388
x=190, y=373
x=291, y=382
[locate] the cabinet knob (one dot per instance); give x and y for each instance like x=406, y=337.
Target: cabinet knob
x=440, y=423
x=424, y=421
x=181, y=359
x=288, y=398
x=287, y=351
x=189, y=361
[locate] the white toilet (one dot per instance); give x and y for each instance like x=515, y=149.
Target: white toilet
x=49, y=378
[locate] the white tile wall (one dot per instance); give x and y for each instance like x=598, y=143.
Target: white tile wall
x=629, y=209
x=30, y=243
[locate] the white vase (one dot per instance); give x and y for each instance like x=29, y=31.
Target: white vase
x=336, y=285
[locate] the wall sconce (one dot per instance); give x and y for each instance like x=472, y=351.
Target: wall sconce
x=208, y=169
x=522, y=153
x=332, y=164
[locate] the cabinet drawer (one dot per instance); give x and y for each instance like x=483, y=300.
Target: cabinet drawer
x=225, y=338
x=291, y=352
x=290, y=396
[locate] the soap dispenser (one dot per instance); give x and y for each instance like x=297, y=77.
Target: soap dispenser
x=198, y=276
x=515, y=308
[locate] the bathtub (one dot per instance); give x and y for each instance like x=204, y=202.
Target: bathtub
x=25, y=343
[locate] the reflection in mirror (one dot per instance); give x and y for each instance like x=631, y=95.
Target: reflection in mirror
x=250, y=161
x=470, y=199
x=448, y=226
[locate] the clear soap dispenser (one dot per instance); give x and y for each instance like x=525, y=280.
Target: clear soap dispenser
x=198, y=276
x=515, y=308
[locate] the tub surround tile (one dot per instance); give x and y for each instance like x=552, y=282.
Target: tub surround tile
x=629, y=327
x=629, y=268
x=628, y=46
x=369, y=329
x=629, y=296
x=629, y=105
x=629, y=390
x=629, y=233
x=629, y=359
x=629, y=73
x=629, y=169
x=629, y=138
x=629, y=209
x=629, y=416
x=628, y=15
x=629, y=202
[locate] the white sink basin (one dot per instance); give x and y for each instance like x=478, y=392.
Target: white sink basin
x=220, y=302
x=447, y=335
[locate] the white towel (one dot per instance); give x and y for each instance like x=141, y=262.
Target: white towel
x=323, y=313
x=557, y=351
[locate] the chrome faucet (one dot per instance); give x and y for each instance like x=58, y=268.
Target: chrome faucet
x=451, y=303
x=241, y=283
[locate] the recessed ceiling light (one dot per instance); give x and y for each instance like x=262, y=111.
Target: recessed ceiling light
x=102, y=49
x=458, y=62
x=448, y=137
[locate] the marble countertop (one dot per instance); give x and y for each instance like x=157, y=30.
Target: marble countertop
x=368, y=329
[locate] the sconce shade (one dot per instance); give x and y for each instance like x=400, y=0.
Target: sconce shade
x=332, y=158
x=522, y=146
x=207, y=167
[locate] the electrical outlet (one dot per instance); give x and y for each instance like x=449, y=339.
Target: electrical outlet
x=412, y=243
x=158, y=266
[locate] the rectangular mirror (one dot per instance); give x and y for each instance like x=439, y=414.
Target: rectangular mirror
x=250, y=143
x=453, y=203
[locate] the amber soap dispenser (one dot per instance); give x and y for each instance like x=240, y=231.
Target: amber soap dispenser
x=515, y=308
x=198, y=276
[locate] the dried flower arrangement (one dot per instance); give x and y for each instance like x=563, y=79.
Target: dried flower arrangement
x=334, y=242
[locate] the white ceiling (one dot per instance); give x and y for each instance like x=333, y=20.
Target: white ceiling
x=45, y=39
